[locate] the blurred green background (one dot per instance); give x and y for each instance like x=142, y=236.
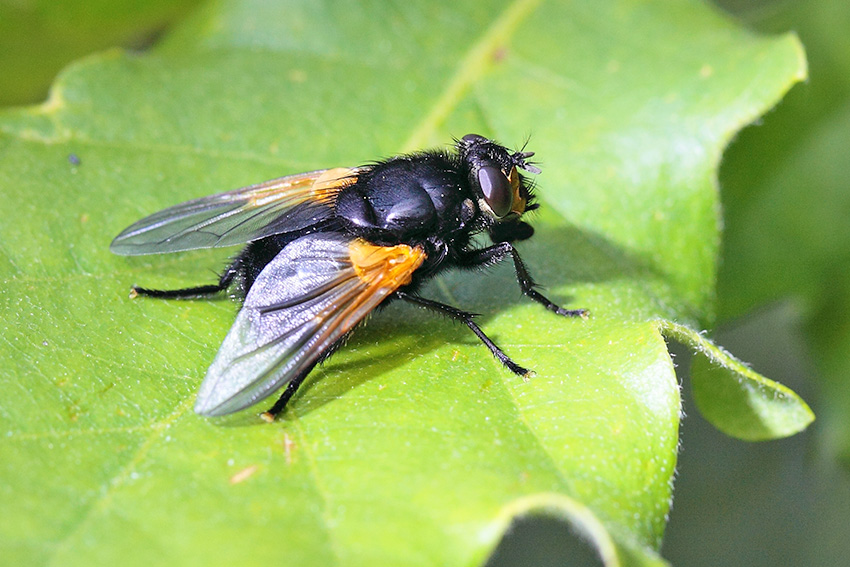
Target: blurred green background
x=783, y=289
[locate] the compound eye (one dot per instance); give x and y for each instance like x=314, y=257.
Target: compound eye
x=496, y=189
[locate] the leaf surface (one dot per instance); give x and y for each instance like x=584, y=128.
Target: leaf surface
x=412, y=445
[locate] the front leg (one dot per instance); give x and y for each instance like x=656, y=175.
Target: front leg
x=494, y=254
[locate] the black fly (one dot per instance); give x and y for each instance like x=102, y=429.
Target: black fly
x=325, y=248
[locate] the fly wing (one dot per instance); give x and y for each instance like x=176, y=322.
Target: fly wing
x=274, y=207
x=304, y=301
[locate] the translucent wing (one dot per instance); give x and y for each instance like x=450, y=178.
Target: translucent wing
x=305, y=300
x=280, y=205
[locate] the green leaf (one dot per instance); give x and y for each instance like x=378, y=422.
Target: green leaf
x=737, y=400
x=412, y=445
x=785, y=185
x=39, y=37
x=784, y=294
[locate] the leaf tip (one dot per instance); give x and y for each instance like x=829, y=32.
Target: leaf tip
x=733, y=397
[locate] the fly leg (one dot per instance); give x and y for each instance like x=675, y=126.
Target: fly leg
x=271, y=414
x=189, y=292
x=238, y=268
x=466, y=318
x=498, y=252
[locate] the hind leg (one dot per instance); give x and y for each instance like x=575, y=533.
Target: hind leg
x=232, y=271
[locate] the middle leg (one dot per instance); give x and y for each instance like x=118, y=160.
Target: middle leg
x=466, y=318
